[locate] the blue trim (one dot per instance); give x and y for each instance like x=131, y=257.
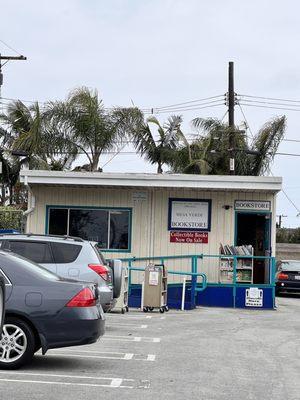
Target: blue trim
x=214, y=296
x=171, y=199
x=129, y=209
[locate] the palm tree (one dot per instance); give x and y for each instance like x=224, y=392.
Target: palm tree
x=25, y=129
x=162, y=150
x=210, y=154
x=86, y=125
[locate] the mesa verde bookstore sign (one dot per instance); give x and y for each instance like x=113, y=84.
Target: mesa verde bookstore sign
x=189, y=215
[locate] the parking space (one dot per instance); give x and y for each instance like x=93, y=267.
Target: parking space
x=207, y=353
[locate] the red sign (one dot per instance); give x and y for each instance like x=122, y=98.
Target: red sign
x=188, y=237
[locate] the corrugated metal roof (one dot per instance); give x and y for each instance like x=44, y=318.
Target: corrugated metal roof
x=209, y=182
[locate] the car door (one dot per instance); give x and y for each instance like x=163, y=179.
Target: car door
x=2, y=302
x=65, y=256
x=36, y=251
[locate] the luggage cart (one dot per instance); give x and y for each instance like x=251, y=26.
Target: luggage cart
x=155, y=288
x=122, y=301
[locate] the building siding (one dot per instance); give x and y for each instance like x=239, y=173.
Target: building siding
x=150, y=235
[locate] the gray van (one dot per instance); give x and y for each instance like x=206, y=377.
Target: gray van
x=70, y=257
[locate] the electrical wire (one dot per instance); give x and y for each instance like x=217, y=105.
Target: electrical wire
x=188, y=109
x=183, y=108
x=9, y=47
x=275, y=108
x=269, y=103
x=270, y=98
x=288, y=154
x=288, y=197
x=119, y=152
x=226, y=112
x=248, y=126
x=188, y=102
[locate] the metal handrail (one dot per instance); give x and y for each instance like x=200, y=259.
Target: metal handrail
x=194, y=282
x=194, y=270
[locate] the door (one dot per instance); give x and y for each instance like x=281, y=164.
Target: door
x=255, y=229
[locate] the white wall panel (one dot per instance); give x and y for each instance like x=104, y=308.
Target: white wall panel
x=150, y=235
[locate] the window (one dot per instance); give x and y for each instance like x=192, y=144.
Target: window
x=118, y=237
x=38, y=252
x=65, y=253
x=58, y=220
x=110, y=228
x=90, y=225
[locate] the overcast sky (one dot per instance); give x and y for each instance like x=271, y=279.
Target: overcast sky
x=160, y=52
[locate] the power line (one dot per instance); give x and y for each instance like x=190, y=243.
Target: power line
x=250, y=130
x=275, y=108
x=188, y=109
x=269, y=103
x=9, y=47
x=188, y=102
x=270, y=98
x=288, y=154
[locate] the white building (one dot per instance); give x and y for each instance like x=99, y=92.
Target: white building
x=146, y=215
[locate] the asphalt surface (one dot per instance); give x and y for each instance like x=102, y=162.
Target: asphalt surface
x=206, y=354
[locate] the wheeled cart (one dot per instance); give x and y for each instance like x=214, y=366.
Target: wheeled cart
x=155, y=288
x=122, y=302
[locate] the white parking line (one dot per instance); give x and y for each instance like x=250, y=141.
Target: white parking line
x=107, y=382
x=116, y=382
x=108, y=316
x=151, y=357
x=126, y=325
x=128, y=356
x=102, y=355
x=132, y=339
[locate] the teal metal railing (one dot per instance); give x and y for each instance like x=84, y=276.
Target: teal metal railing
x=194, y=274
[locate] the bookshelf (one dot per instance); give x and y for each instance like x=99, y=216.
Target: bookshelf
x=244, y=268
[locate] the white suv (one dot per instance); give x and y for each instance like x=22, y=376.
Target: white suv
x=72, y=258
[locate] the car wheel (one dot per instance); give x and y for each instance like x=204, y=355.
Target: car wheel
x=17, y=344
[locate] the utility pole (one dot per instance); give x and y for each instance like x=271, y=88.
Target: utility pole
x=231, y=104
x=280, y=220
x=6, y=59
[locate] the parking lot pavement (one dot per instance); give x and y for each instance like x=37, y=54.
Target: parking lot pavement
x=206, y=353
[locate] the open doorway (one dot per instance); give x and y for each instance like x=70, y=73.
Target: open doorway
x=254, y=229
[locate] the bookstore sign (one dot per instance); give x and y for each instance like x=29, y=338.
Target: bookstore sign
x=189, y=215
x=252, y=205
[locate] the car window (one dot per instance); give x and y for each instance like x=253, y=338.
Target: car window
x=290, y=266
x=65, y=253
x=99, y=254
x=38, y=252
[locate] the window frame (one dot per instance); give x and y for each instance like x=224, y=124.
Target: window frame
x=128, y=209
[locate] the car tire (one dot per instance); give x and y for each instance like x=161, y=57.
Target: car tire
x=118, y=278
x=17, y=345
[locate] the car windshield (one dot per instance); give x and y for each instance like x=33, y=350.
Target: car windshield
x=293, y=266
